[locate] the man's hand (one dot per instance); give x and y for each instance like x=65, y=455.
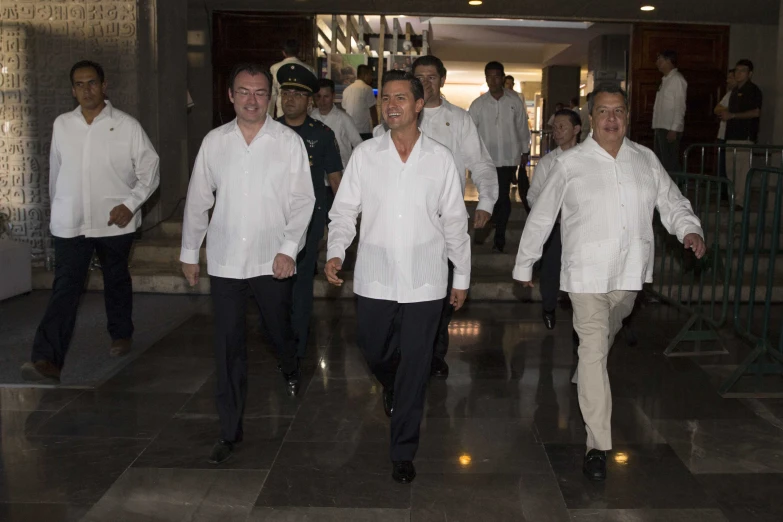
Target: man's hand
x=481, y=218
x=695, y=243
x=333, y=266
x=120, y=216
x=283, y=267
x=726, y=115
x=191, y=273
x=527, y=284
x=457, y=298
x=671, y=136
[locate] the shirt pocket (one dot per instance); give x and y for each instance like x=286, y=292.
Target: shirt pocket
x=638, y=257
x=599, y=259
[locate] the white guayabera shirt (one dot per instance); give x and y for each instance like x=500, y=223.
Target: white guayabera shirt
x=607, y=208
x=502, y=125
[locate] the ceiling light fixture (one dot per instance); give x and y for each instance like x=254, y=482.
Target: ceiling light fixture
x=475, y=2
x=647, y=8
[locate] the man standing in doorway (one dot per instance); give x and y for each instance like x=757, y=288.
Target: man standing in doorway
x=669, y=112
x=722, y=107
x=605, y=191
x=255, y=172
x=102, y=168
x=453, y=127
x=359, y=102
x=297, y=85
x=501, y=120
x=407, y=189
x=290, y=50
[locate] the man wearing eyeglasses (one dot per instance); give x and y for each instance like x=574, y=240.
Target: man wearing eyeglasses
x=297, y=86
x=255, y=172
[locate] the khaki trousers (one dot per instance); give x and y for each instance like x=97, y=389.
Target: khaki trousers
x=597, y=319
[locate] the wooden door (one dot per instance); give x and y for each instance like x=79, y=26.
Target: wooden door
x=252, y=37
x=702, y=52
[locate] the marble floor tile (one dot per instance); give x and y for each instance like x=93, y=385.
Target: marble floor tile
x=36, y=399
x=34, y=512
x=193, y=495
x=187, y=443
x=162, y=375
x=327, y=514
x=647, y=515
x=333, y=474
x=725, y=446
x=746, y=497
x=638, y=476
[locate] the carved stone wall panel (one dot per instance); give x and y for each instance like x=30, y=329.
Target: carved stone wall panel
x=39, y=42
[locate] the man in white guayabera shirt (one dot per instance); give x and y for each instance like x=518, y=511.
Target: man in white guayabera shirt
x=407, y=189
x=606, y=191
x=256, y=173
x=102, y=168
x=453, y=127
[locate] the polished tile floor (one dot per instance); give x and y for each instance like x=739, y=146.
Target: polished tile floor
x=502, y=438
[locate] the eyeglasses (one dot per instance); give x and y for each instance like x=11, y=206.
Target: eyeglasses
x=290, y=93
x=244, y=93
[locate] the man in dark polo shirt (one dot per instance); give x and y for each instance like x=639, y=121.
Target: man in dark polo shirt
x=297, y=85
x=742, y=124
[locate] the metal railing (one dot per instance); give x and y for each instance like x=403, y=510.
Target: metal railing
x=750, y=323
x=699, y=287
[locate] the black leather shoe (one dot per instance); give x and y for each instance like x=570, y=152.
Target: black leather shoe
x=440, y=369
x=594, y=466
x=549, y=320
x=388, y=402
x=221, y=452
x=403, y=471
x=292, y=382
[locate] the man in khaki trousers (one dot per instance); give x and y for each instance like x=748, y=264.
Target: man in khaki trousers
x=605, y=190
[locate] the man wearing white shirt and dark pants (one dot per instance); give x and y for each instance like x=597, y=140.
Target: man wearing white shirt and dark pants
x=256, y=173
x=605, y=191
x=501, y=120
x=102, y=168
x=453, y=127
x=359, y=102
x=669, y=112
x=407, y=189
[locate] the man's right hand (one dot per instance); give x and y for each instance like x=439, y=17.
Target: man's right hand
x=333, y=266
x=191, y=273
x=527, y=284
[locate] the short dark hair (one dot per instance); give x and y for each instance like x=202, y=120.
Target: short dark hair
x=670, y=55
x=363, y=69
x=326, y=82
x=495, y=66
x=571, y=115
x=395, y=76
x=252, y=69
x=747, y=63
x=434, y=61
x=509, y=77
x=608, y=88
x=291, y=47
x=86, y=64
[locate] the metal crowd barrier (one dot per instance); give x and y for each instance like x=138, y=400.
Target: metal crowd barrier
x=752, y=322
x=697, y=287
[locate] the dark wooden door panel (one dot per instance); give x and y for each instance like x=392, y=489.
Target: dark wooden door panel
x=252, y=37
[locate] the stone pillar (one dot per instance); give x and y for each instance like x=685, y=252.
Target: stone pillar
x=777, y=138
x=559, y=83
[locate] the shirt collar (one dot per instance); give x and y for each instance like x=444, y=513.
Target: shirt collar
x=628, y=147
x=270, y=127
x=107, y=112
x=424, y=142
x=671, y=73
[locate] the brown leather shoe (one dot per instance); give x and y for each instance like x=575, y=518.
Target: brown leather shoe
x=120, y=347
x=41, y=371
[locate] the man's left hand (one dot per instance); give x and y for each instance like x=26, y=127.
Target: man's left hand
x=695, y=243
x=283, y=267
x=671, y=136
x=120, y=216
x=726, y=115
x=457, y=298
x=481, y=218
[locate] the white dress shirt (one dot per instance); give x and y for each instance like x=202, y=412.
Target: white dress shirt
x=669, y=110
x=264, y=200
x=358, y=99
x=541, y=174
x=344, y=130
x=453, y=128
x=93, y=168
x=722, y=127
x=413, y=220
x=276, y=100
x=607, y=208
x=502, y=125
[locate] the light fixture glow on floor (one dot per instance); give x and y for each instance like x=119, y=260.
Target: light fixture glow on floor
x=475, y=2
x=647, y=8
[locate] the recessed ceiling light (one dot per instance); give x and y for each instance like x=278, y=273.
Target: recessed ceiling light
x=647, y=8
x=475, y=2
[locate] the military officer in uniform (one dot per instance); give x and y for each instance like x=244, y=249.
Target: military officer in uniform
x=297, y=86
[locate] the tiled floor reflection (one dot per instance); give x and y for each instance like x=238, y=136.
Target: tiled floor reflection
x=502, y=438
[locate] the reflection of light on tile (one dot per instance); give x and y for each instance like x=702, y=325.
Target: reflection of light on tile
x=562, y=421
x=465, y=328
x=323, y=365
x=464, y=460
x=621, y=458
